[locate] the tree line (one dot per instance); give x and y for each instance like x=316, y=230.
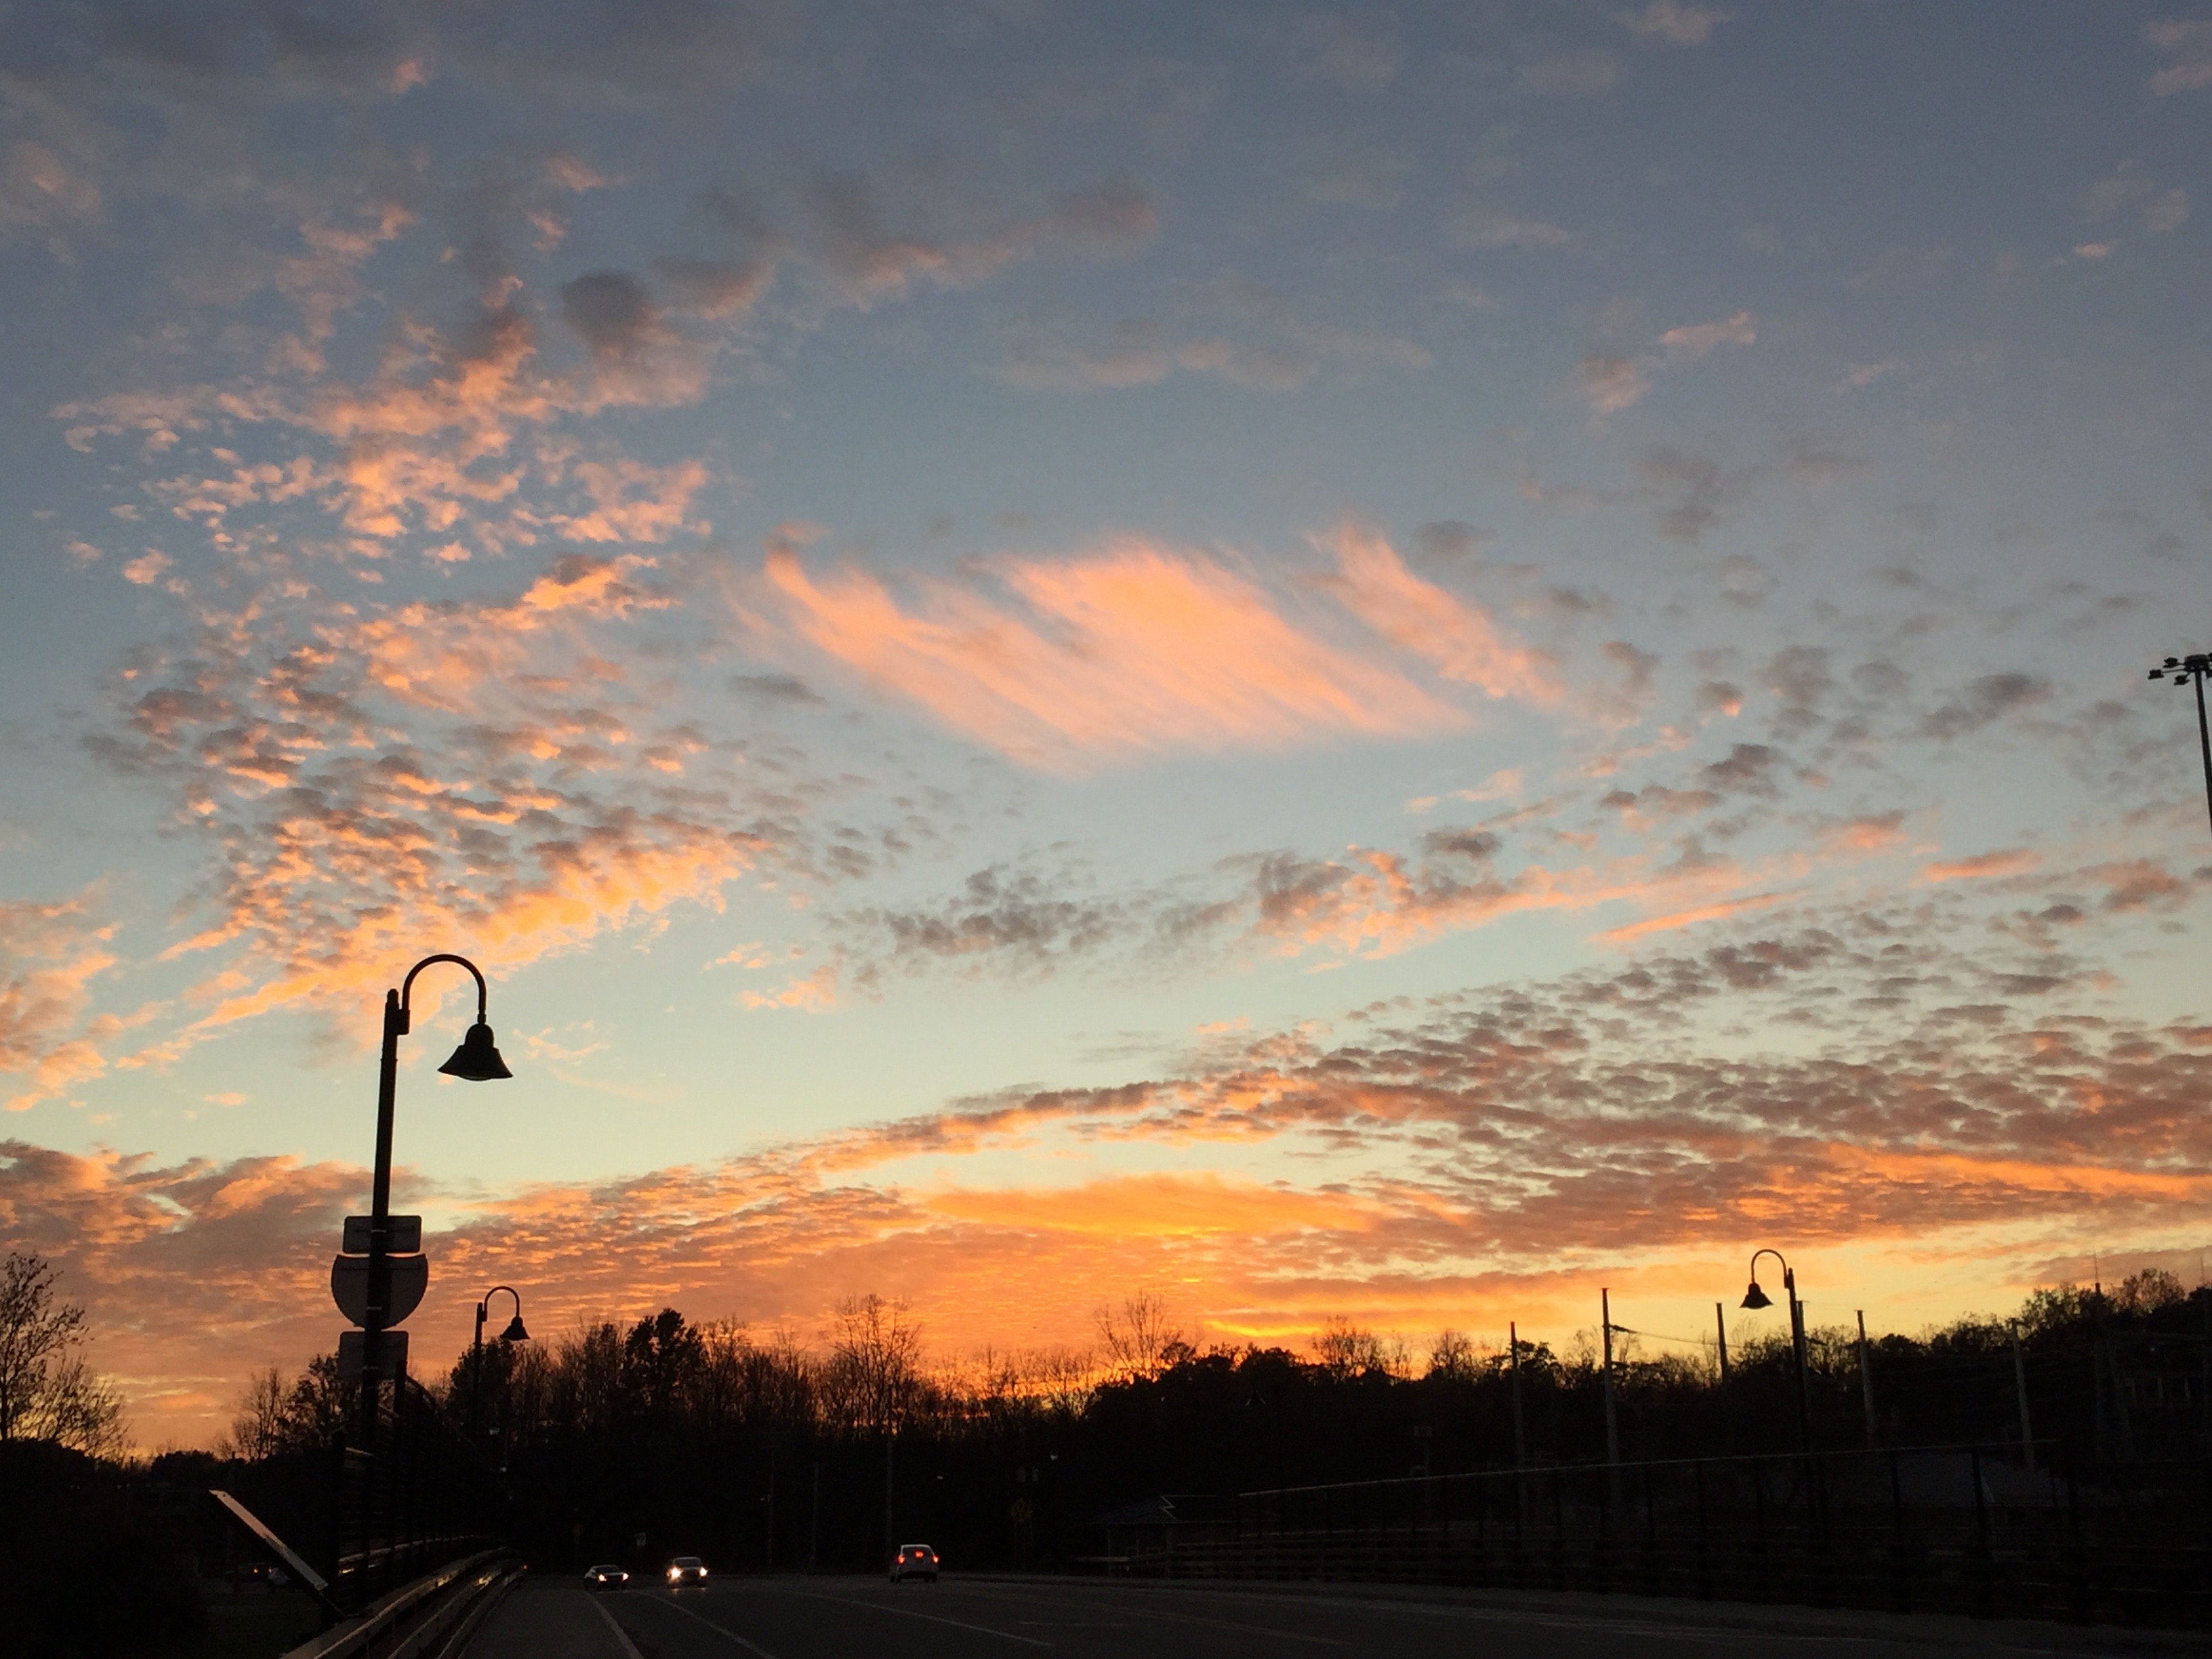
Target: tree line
x=756, y=1448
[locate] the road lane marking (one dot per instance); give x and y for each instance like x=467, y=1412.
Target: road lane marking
x=1222, y=1624
x=628, y=1647
x=1249, y=1630
x=908, y=1612
x=724, y=1630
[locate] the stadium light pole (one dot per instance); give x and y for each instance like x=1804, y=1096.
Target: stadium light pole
x=476, y=1061
x=1755, y=1298
x=2187, y=670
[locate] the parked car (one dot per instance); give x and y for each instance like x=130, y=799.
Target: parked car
x=604, y=1576
x=686, y=1570
x=914, y=1561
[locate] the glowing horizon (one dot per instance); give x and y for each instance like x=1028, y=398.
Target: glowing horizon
x=1348, y=664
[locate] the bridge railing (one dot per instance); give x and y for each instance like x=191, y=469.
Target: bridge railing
x=1975, y=1529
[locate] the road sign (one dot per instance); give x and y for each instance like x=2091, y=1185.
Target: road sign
x=403, y=1238
x=410, y=1277
x=390, y=1354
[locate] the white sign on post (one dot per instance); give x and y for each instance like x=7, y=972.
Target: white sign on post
x=410, y=1277
x=403, y=1234
x=390, y=1354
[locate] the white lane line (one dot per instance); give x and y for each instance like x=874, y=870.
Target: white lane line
x=750, y=1647
x=1249, y=1630
x=628, y=1647
x=908, y=1612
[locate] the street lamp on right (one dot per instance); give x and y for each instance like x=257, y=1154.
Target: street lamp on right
x=2186, y=670
x=1755, y=1298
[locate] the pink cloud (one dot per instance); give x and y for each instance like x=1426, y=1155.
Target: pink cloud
x=50, y=955
x=1982, y=866
x=1139, y=649
x=1461, y=640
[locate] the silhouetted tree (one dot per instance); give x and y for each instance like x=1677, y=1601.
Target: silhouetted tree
x=47, y=1390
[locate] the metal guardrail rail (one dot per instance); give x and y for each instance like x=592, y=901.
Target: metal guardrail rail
x=432, y=1618
x=1972, y=1529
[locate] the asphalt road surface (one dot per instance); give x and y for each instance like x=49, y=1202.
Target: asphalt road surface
x=852, y=1617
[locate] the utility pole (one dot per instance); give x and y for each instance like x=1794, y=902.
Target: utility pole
x=1866, y=1383
x=1720, y=1334
x=1513, y=1366
x=2019, y=1388
x=1612, y=1421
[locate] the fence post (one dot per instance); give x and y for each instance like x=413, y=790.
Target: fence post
x=1705, y=1569
x=1984, y=1589
x=2080, y=1576
x=1758, y=1520
x=1900, y=1560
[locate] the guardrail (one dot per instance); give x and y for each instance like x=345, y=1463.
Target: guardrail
x=432, y=1618
x=1972, y=1529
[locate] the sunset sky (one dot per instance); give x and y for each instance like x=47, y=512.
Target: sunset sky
x=1389, y=662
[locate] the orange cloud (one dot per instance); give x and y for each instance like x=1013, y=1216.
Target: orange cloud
x=1689, y=918
x=1463, y=639
x=1139, y=649
x=50, y=954
x=2009, y=861
x=1158, y=1205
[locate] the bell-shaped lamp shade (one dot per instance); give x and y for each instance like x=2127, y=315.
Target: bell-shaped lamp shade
x=1755, y=1298
x=476, y=1061
x=514, y=1333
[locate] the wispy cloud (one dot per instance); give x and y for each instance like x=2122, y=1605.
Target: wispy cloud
x=1463, y=639
x=1674, y=23
x=50, y=955
x=2186, y=45
x=1609, y=384
x=1137, y=648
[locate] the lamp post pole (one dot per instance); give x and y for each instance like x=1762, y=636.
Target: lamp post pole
x=1755, y=1298
x=476, y=1061
x=514, y=1333
x=2192, y=669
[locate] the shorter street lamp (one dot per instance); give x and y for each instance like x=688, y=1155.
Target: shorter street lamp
x=2185, y=671
x=1755, y=1298
x=514, y=1333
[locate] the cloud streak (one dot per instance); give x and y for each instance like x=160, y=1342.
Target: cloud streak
x=1138, y=648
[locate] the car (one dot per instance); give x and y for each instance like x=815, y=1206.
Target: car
x=914, y=1561
x=604, y=1576
x=686, y=1570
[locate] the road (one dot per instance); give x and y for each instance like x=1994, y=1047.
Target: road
x=854, y=1617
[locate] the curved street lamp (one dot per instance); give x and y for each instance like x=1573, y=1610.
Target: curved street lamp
x=476, y=1061
x=1755, y=1298
x=514, y=1333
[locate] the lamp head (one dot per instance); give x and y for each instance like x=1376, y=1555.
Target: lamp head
x=1755, y=1298
x=476, y=1061
x=514, y=1333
